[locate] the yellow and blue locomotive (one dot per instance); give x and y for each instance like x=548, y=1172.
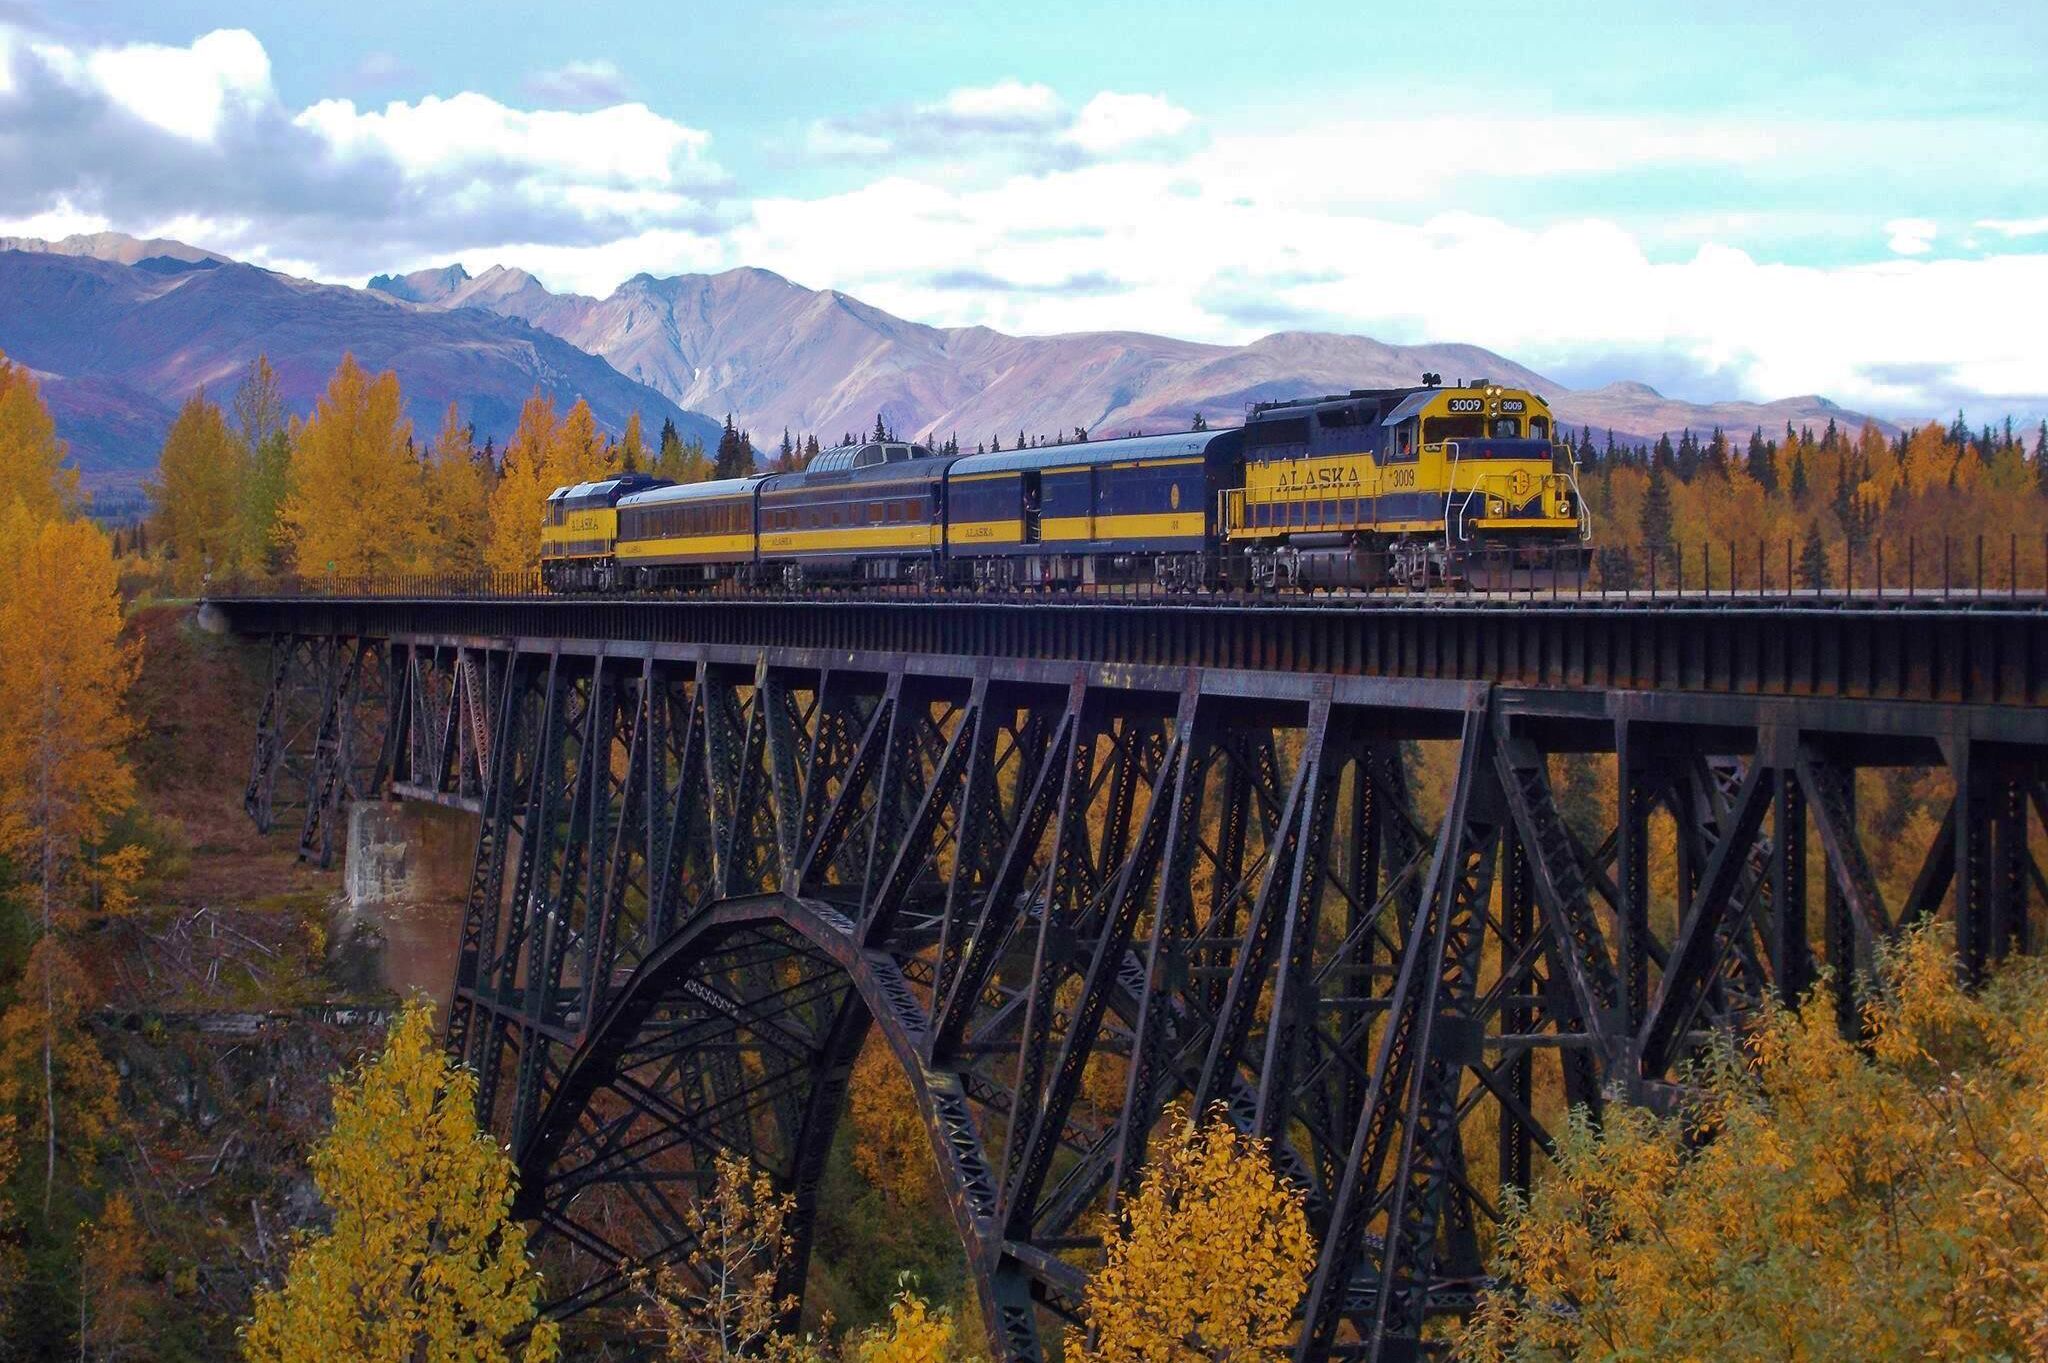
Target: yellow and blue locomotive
x=1410, y=486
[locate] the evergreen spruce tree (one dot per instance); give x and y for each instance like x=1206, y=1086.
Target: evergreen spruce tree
x=668, y=456
x=733, y=459
x=1688, y=459
x=1799, y=488
x=2041, y=457
x=1664, y=456
x=1760, y=464
x=1813, y=558
x=1848, y=509
x=1655, y=524
x=1716, y=458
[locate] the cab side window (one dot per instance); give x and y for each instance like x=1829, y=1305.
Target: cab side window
x=1403, y=444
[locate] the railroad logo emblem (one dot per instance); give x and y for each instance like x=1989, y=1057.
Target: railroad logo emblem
x=1173, y=496
x=1518, y=483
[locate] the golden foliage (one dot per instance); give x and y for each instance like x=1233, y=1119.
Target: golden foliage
x=1211, y=1260
x=723, y=1306
x=1823, y=1201
x=66, y=672
x=51, y=1068
x=110, y=1294
x=32, y=468
x=423, y=1260
x=581, y=454
x=632, y=449
x=914, y=1334
x=891, y=1148
x=456, y=500
x=528, y=477
x=198, y=494
x=353, y=507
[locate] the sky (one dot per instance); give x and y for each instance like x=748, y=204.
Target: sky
x=1738, y=200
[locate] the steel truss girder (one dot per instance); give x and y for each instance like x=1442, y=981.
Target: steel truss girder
x=321, y=735
x=1065, y=897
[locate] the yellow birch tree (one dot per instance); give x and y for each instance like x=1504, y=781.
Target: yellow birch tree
x=632, y=447
x=914, y=1333
x=423, y=1259
x=263, y=426
x=62, y=780
x=580, y=453
x=722, y=1305
x=522, y=492
x=31, y=456
x=1826, y=1198
x=198, y=496
x=1212, y=1258
x=353, y=508
x=110, y=1295
x=457, y=508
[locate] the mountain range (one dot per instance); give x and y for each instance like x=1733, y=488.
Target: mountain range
x=118, y=347
x=774, y=354
x=120, y=331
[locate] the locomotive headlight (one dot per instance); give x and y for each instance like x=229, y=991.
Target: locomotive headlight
x=1496, y=506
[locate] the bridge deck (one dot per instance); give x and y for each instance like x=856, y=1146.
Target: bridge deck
x=1960, y=651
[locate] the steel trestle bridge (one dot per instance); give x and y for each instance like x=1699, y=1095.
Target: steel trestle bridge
x=1076, y=861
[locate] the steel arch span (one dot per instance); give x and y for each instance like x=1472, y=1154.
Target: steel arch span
x=1375, y=921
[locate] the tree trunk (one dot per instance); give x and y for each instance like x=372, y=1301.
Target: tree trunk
x=49, y=1035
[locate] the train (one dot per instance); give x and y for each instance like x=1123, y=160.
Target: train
x=1413, y=487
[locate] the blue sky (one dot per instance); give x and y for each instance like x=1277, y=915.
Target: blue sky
x=1732, y=200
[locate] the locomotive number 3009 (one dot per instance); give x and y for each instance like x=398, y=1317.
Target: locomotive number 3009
x=1467, y=405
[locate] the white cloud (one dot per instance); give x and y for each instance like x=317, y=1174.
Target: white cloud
x=1203, y=258
x=6, y=60
x=1911, y=236
x=579, y=82
x=1006, y=104
x=2015, y=227
x=183, y=90
x=55, y=223
x=1007, y=126
x=1112, y=122
x=830, y=140
x=625, y=145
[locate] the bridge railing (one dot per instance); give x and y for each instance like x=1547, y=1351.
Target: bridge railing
x=1967, y=568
